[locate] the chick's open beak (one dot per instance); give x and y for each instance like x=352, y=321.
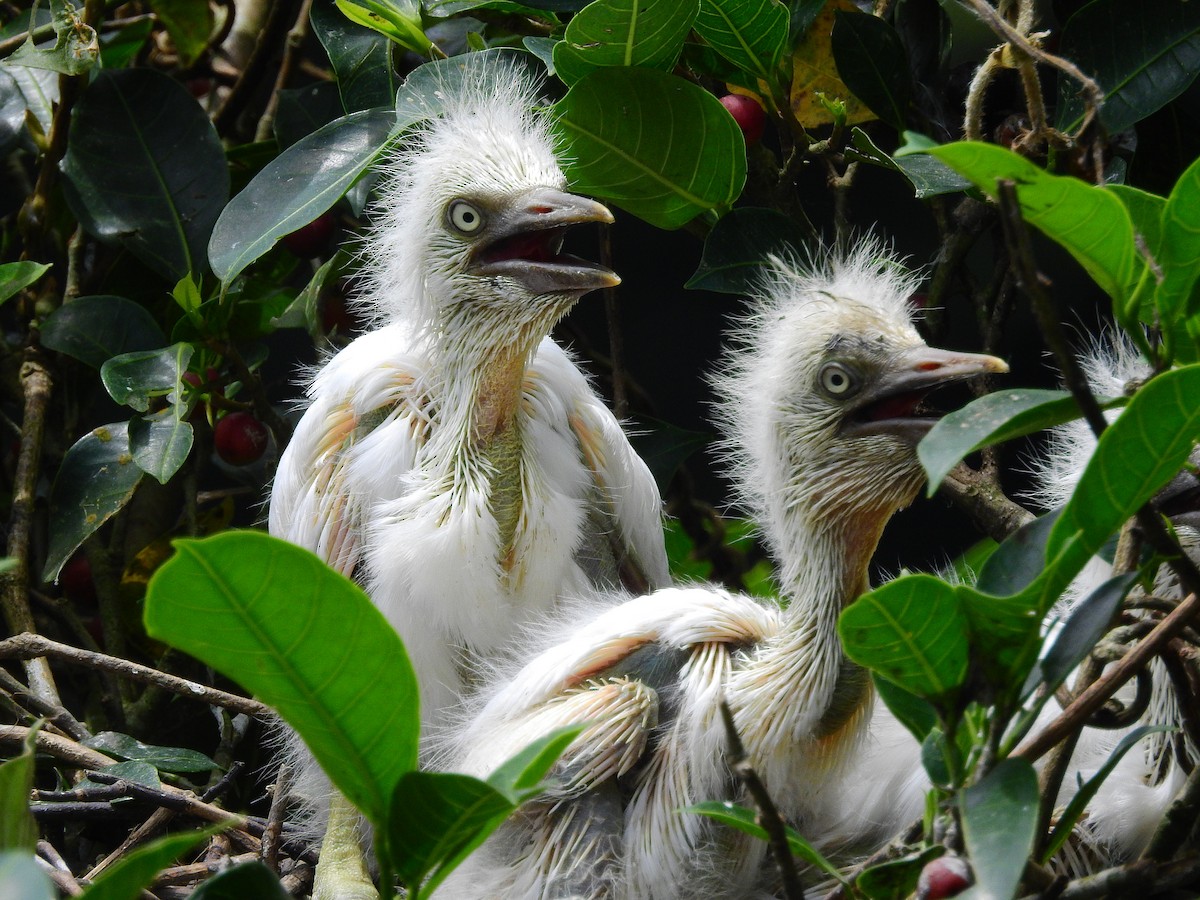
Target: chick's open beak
x=525, y=243
x=892, y=405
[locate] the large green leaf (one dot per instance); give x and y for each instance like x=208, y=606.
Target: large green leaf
x=1177, y=298
x=295, y=188
x=21, y=878
x=130, y=876
x=1089, y=222
x=97, y=477
x=16, y=276
x=1082, y=630
x=991, y=419
x=18, y=830
x=735, y=251
x=135, y=379
x=95, y=329
x=190, y=25
x=654, y=144
x=928, y=176
x=166, y=759
x=751, y=34
x=163, y=198
x=1144, y=55
x=873, y=64
x=276, y=619
x=361, y=58
x=912, y=631
x=647, y=33
x=999, y=820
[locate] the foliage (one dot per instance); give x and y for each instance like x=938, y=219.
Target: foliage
x=150, y=287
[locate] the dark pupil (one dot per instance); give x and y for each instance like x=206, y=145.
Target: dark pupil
x=837, y=379
x=468, y=217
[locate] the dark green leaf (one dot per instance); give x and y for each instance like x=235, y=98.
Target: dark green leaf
x=1176, y=298
x=928, y=176
x=1143, y=55
x=242, y=882
x=16, y=276
x=302, y=111
x=746, y=821
x=130, y=770
x=18, y=830
x=274, y=618
x=166, y=759
x=295, y=188
x=128, y=877
x=736, y=249
x=190, y=25
x=21, y=878
x=135, y=378
x=915, y=714
x=999, y=819
x=624, y=33
x=912, y=631
x=1088, y=622
x=361, y=58
x=163, y=199
x=97, y=477
x=95, y=329
x=664, y=447
x=1018, y=561
x=991, y=419
x=873, y=65
x=654, y=144
x=896, y=878
x=933, y=758
x=751, y=34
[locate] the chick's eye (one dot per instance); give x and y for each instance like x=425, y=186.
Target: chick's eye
x=837, y=380
x=464, y=217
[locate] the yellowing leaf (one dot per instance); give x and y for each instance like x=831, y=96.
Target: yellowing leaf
x=814, y=72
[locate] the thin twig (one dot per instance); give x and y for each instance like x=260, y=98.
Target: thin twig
x=274, y=826
x=1138, y=879
x=295, y=38
x=26, y=646
x=57, y=716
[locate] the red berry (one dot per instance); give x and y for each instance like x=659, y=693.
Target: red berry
x=240, y=438
x=192, y=379
x=76, y=579
x=946, y=876
x=748, y=115
x=312, y=239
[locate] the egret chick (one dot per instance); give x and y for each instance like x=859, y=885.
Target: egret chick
x=820, y=415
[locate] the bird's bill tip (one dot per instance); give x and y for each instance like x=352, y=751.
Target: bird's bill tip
x=931, y=365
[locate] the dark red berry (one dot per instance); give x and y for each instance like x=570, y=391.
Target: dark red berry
x=748, y=115
x=312, y=239
x=240, y=439
x=76, y=579
x=946, y=876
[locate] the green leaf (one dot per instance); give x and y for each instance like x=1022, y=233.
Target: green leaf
x=165, y=759
x=646, y=33
x=664, y=447
x=433, y=814
x=18, y=830
x=928, y=176
x=751, y=34
x=1078, y=805
x=361, y=58
x=160, y=443
x=991, y=419
x=524, y=772
x=301, y=111
x=746, y=821
x=999, y=819
x=1082, y=630
x=912, y=631
x=131, y=770
x=1088, y=222
x=135, y=378
x=121, y=45
x=398, y=20
x=915, y=714
x=127, y=878
x=654, y=144
x=735, y=251
x=162, y=200
x=1019, y=560
x=274, y=618
x=190, y=25
x=241, y=882
x=872, y=63
x=97, y=477
x=76, y=48
x=295, y=188
x=21, y=878
x=1146, y=212
x=16, y=276
x=896, y=878
x=1176, y=298
x=1143, y=55
x=95, y=329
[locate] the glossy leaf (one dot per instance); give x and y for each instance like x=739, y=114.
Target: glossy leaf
x=999, y=819
x=647, y=33
x=97, y=477
x=1082, y=630
x=18, y=830
x=746, y=821
x=298, y=635
x=1018, y=561
x=928, y=176
x=131, y=770
x=295, y=188
x=39, y=88
x=1177, y=298
x=133, y=873
x=95, y=329
x=166, y=759
x=654, y=144
x=190, y=25
x=1089, y=222
x=736, y=250
x=160, y=443
x=21, y=878
x=751, y=34
x=1144, y=55
x=16, y=276
x=163, y=199
x=240, y=882
x=135, y=378
x=361, y=58
x=991, y=419
x=873, y=64
x=911, y=631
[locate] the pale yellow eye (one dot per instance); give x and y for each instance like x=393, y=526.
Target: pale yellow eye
x=465, y=218
x=838, y=380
